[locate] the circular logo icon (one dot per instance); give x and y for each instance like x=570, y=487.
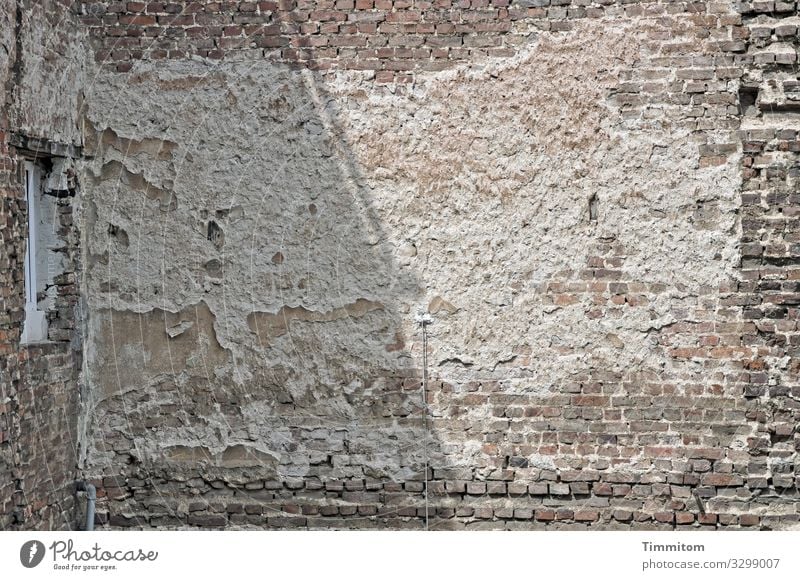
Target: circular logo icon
x=32, y=553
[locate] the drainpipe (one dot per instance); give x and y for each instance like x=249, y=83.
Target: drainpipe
x=91, y=499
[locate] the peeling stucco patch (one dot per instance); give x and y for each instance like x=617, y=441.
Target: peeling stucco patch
x=268, y=326
x=115, y=171
x=132, y=350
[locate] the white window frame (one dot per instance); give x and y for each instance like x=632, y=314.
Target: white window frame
x=35, y=325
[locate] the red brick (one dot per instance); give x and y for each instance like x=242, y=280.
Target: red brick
x=707, y=519
x=721, y=479
x=664, y=517
x=749, y=520
x=586, y=515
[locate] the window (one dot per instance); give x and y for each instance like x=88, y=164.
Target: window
x=35, y=326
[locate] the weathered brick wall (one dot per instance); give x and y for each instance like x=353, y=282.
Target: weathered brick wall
x=38, y=383
x=768, y=290
x=557, y=184
x=393, y=38
x=385, y=36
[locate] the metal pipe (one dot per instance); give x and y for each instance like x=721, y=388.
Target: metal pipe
x=424, y=319
x=91, y=500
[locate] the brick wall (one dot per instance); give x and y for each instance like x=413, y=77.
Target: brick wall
x=38, y=383
x=391, y=38
x=38, y=415
x=767, y=292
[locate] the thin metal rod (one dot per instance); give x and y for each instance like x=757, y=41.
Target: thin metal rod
x=425, y=409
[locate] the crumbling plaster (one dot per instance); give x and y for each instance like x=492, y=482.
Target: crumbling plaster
x=466, y=194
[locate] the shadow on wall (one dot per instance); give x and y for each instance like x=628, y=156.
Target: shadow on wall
x=248, y=340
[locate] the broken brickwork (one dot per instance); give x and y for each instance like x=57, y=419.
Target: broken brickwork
x=39, y=396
